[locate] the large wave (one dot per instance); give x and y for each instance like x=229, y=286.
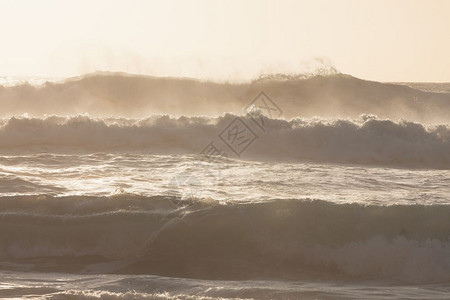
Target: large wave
x=275, y=239
x=364, y=141
x=115, y=94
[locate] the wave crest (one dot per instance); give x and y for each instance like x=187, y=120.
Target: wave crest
x=365, y=141
x=278, y=238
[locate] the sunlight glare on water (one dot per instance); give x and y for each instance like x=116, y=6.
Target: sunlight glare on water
x=146, y=174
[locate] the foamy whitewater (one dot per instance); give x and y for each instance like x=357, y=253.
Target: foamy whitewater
x=126, y=206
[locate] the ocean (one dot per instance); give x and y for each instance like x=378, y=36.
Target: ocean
x=243, y=204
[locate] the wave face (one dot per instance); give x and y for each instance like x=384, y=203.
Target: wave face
x=275, y=239
x=115, y=94
x=365, y=141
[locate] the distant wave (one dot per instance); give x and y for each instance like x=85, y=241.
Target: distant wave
x=365, y=141
x=132, y=96
x=276, y=239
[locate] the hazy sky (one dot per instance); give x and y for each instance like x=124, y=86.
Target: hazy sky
x=380, y=40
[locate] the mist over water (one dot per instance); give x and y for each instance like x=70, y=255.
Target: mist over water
x=131, y=96
x=225, y=149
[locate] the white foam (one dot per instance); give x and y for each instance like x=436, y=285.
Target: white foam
x=366, y=141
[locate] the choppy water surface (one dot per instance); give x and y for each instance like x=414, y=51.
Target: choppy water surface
x=254, y=229
x=104, y=174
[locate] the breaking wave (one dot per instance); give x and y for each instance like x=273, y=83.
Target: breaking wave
x=133, y=96
x=276, y=239
x=364, y=141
